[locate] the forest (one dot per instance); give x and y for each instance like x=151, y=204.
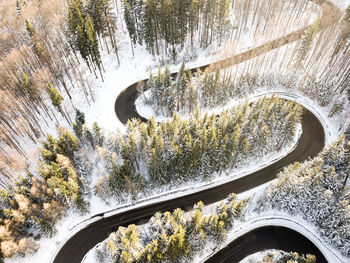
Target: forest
x=172, y=236
x=318, y=191
x=167, y=94
x=198, y=148
x=147, y=156
x=56, y=59
x=172, y=22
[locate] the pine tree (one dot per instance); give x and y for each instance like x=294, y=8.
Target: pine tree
x=309, y=35
x=99, y=138
x=150, y=26
x=130, y=24
x=223, y=20
x=55, y=97
x=30, y=28
x=165, y=16
x=67, y=143
x=82, y=34
x=93, y=44
x=167, y=77
x=181, y=8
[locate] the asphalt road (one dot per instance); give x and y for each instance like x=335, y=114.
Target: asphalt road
x=310, y=144
x=269, y=237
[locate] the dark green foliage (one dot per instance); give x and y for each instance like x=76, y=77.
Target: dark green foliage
x=82, y=34
x=57, y=168
x=55, y=96
x=92, y=41
x=177, y=151
x=79, y=123
x=98, y=135
x=79, y=117
x=97, y=10
x=151, y=21
x=30, y=28
x=66, y=144
x=129, y=17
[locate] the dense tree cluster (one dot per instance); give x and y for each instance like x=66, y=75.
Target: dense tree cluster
x=172, y=237
x=86, y=24
x=171, y=22
x=150, y=155
x=318, y=190
x=168, y=93
x=31, y=205
x=37, y=70
x=57, y=167
x=39, y=66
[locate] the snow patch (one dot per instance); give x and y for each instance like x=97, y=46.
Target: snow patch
x=342, y=4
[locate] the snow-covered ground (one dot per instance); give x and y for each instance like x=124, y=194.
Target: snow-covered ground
x=342, y=4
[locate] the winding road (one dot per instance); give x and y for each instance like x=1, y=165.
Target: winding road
x=310, y=144
x=268, y=237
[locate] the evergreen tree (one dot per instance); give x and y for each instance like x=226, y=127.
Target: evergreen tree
x=130, y=22
x=150, y=26
x=55, y=97
x=92, y=43
x=309, y=35
x=223, y=20
x=30, y=28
